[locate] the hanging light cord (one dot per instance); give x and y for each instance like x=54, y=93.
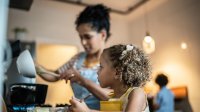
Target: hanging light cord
x=146, y=19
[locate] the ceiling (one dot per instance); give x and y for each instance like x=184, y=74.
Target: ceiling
x=116, y=6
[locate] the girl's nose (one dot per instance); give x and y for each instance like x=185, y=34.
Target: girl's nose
x=98, y=71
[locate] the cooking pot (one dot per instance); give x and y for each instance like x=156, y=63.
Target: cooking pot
x=25, y=93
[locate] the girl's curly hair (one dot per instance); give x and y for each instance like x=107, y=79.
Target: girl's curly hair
x=134, y=68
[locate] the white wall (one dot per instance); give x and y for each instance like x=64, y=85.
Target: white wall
x=51, y=21
x=171, y=23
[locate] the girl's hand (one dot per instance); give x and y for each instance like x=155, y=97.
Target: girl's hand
x=78, y=106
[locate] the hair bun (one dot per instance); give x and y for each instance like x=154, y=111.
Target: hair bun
x=97, y=16
x=99, y=11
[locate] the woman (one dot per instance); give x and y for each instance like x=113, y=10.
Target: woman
x=93, y=27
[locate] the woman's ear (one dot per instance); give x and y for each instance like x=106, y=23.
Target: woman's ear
x=103, y=34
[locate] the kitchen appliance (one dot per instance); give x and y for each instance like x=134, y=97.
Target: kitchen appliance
x=25, y=96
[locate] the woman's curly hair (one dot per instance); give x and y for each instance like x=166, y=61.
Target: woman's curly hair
x=96, y=15
x=134, y=68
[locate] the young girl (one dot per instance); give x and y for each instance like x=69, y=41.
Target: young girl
x=125, y=69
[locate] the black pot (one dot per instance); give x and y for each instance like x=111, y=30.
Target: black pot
x=24, y=93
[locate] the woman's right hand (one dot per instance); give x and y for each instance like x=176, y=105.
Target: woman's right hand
x=46, y=74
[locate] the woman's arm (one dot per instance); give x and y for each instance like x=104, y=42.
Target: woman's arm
x=101, y=93
x=136, y=101
x=74, y=76
x=47, y=75
x=53, y=76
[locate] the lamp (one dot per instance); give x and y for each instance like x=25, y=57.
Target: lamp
x=183, y=45
x=148, y=42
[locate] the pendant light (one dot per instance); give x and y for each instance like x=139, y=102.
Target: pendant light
x=148, y=42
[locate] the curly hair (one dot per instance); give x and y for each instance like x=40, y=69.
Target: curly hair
x=161, y=80
x=133, y=69
x=97, y=16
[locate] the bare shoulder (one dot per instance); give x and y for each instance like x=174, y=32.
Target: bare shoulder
x=136, y=100
x=137, y=93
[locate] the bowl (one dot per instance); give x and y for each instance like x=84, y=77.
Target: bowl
x=25, y=65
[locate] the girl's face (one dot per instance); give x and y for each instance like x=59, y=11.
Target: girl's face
x=106, y=72
x=91, y=40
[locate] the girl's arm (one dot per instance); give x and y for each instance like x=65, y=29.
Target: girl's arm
x=79, y=106
x=157, y=100
x=136, y=101
x=3, y=105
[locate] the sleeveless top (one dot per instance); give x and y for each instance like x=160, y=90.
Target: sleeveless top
x=89, y=73
x=124, y=99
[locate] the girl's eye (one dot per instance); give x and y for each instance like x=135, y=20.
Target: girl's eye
x=100, y=67
x=88, y=37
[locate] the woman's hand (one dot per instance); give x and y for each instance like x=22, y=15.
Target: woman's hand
x=78, y=106
x=72, y=75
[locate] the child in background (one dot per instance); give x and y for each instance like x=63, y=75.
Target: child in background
x=125, y=69
x=165, y=98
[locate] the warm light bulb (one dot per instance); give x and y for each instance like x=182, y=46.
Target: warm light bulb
x=183, y=45
x=148, y=44
x=148, y=39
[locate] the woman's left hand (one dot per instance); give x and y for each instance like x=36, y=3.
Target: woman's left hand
x=78, y=106
x=73, y=75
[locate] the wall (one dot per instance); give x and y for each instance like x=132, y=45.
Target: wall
x=171, y=23
x=53, y=21
x=58, y=92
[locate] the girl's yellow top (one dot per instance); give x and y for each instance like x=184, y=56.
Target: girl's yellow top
x=124, y=99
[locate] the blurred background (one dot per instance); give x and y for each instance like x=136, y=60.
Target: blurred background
x=47, y=27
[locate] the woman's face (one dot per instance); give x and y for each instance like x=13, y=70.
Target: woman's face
x=91, y=40
x=106, y=72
